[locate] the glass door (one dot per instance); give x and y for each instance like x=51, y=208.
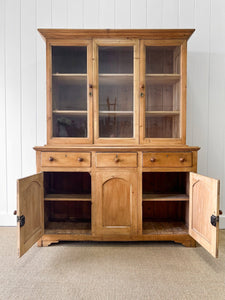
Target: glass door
x=162, y=115
x=116, y=68
x=70, y=111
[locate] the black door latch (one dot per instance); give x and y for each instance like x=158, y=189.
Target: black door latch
x=214, y=220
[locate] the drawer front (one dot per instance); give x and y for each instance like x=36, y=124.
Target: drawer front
x=65, y=159
x=116, y=159
x=156, y=159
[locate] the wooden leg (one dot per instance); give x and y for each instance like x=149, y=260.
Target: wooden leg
x=45, y=243
x=189, y=242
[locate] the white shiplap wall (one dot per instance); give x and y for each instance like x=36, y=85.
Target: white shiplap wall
x=22, y=75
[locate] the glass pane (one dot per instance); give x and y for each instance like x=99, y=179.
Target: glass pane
x=162, y=97
x=69, y=59
x=115, y=126
x=162, y=60
x=69, y=91
x=116, y=60
x=116, y=92
x=65, y=125
x=162, y=126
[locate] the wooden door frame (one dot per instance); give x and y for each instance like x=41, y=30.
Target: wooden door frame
x=116, y=42
x=183, y=73
x=69, y=140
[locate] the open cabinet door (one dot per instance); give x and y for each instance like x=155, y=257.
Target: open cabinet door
x=30, y=211
x=204, y=211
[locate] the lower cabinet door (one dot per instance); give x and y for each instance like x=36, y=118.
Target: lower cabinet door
x=116, y=203
x=30, y=211
x=204, y=211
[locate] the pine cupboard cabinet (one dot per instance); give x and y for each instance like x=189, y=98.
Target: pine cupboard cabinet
x=116, y=166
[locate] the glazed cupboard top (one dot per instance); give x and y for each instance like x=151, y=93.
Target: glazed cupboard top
x=116, y=87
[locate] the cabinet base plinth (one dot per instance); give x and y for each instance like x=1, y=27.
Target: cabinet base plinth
x=183, y=239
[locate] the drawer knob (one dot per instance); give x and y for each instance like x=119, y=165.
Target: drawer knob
x=80, y=159
x=182, y=159
x=152, y=159
x=51, y=158
x=116, y=159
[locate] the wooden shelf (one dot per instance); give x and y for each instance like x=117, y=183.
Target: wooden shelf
x=70, y=112
x=161, y=79
x=165, y=197
x=105, y=112
x=118, y=79
x=162, y=113
x=164, y=228
x=67, y=197
x=68, y=227
x=64, y=78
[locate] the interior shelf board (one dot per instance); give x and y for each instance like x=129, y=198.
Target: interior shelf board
x=68, y=227
x=64, y=78
x=67, y=197
x=162, y=113
x=69, y=75
x=162, y=78
x=115, y=112
x=115, y=79
x=164, y=228
x=70, y=112
x=165, y=197
x=116, y=75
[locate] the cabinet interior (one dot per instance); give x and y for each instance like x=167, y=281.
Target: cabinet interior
x=67, y=206
x=165, y=202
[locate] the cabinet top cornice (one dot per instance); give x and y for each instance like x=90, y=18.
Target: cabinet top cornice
x=117, y=33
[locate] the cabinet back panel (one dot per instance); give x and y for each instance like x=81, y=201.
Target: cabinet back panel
x=164, y=182
x=164, y=210
x=58, y=211
x=67, y=183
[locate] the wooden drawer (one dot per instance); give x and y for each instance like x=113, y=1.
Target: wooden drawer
x=65, y=159
x=156, y=159
x=116, y=159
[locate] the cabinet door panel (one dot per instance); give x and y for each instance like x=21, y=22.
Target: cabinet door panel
x=117, y=199
x=204, y=202
x=69, y=76
x=30, y=200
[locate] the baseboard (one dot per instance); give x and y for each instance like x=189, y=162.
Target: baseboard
x=7, y=220
x=222, y=222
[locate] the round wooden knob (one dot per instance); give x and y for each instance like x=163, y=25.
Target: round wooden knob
x=15, y=212
x=116, y=159
x=51, y=158
x=90, y=86
x=80, y=159
x=220, y=212
x=182, y=159
x=152, y=159
x=142, y=86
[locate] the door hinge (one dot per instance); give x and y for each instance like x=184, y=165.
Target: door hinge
x=21, y=219
x=214, y=220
